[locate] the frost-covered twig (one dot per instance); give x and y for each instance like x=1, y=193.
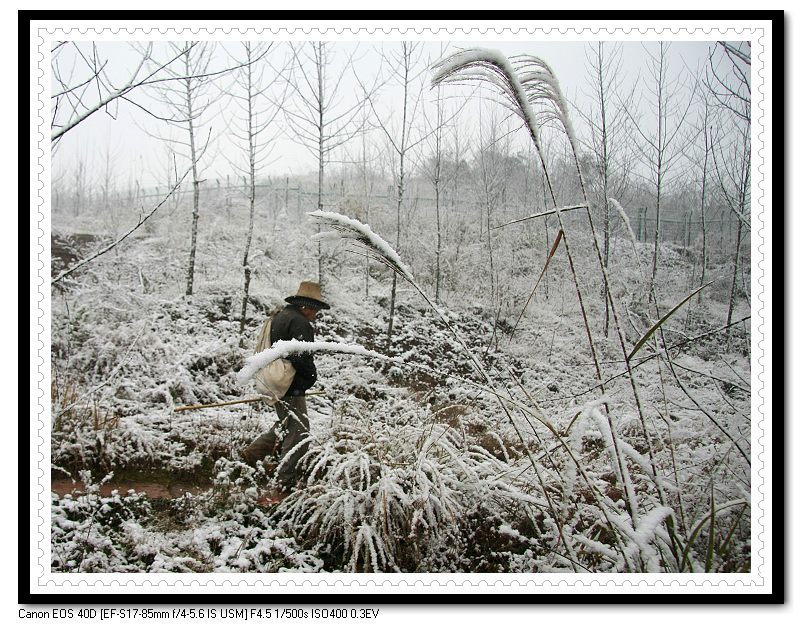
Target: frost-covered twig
x=375, y=246
x=363, y=236
x=133, y=83
x=525, y=81
x=632, y=238
x=284, y=348
x=545, y=213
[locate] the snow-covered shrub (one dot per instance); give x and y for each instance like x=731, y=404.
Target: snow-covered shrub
x=85, y=530
x=389, y=491
x=219, y=531
x=235, y=486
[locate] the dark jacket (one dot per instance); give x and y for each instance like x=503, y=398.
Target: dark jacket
x=290, y=324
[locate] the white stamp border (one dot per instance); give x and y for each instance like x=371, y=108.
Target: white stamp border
x=758, y=582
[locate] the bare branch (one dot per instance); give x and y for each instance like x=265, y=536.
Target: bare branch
x=111, y=246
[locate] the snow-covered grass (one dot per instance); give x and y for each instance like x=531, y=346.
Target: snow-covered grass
x=414, y=466
x=420, y=461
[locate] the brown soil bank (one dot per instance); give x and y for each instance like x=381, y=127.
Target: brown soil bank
x=152, y=490
x=62, y=487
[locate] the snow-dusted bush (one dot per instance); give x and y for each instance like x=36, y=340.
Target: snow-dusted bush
x=388, y=490
x=86, y=530
x=220, y=531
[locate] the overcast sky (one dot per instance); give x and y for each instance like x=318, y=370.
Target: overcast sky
x=125, y=129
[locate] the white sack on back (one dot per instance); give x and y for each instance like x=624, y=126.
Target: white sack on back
x=275, y=379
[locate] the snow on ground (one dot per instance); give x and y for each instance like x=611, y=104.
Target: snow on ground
x=416, y=464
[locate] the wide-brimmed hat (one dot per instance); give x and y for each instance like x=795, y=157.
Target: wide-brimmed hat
x=308, y=295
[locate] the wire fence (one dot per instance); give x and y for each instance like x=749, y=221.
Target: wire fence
x=681, y=226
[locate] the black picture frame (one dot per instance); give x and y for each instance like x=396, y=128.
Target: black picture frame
x=128, y=596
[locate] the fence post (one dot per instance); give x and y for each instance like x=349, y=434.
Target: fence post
x=298, y=211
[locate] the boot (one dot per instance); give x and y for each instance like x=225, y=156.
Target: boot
x=249, y=457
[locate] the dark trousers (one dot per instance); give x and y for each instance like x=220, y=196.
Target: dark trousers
x=287, y=440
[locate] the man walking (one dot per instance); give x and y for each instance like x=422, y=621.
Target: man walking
x=287, y=439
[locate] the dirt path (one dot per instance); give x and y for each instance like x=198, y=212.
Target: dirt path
x=151, y=490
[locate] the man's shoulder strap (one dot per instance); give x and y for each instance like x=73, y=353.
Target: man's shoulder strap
x=263, y=342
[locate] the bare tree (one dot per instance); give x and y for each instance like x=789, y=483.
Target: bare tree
x=405, y=75
x=490, y=180
x=107, y=182
x=80, y=185
x=441, y=167
x=188, y=97
x=82, y=86
x=253, y=128
x=435, y=175
x=170, y=173
x=458, y=176
x=663, y=147
x=368, y=180
x=320, y=120
x=707, y=145
x=728, y=80
x=608, y=140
